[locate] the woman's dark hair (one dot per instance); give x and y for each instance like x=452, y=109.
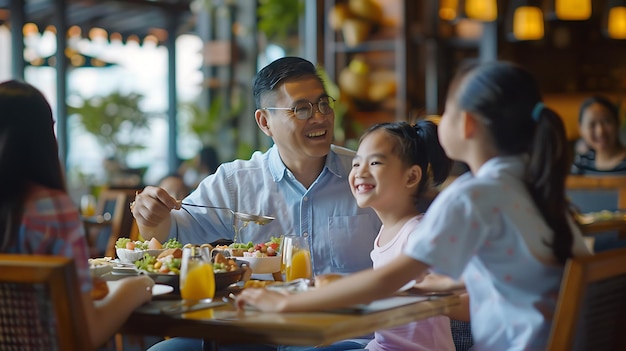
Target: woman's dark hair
x=28, y=152
x=418, y=144
x=604, y=102
x=506, y=99
x=272, y=75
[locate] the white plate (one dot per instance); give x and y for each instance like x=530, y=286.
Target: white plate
x=161, y=289
x=123, y=270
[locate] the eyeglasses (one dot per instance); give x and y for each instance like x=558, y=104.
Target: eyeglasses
x=304, y=109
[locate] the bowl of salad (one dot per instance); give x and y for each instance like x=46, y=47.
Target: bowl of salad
x=264, y=257
x=129, y=251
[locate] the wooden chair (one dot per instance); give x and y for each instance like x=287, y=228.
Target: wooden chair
x=591, y=307
x=40, y=306
x=113, y=208
x=596, y=193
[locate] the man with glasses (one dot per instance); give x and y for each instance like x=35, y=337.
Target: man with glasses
x=302, y=181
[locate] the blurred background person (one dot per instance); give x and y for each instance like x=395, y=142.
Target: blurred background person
x=599, y=125
x=198, y=168
x=175, y=186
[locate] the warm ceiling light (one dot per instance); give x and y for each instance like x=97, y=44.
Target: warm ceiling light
x=52, y=29
x=133, y=37
x=447, y=9
x=528, y=23
x=571, y=10
x=615, y=19
x=150, y=39
x=480, y=10
x=30, y=29
x=96, y=33
x=116, y=36
x=74, y=31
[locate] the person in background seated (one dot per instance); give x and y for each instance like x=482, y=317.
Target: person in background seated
x=505, y=226
x=38, y=217
x=302, y=181
x=175, y=186
x=599, y=125
x=201, y=166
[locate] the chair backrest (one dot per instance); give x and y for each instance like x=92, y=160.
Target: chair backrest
x=596, y=193
x=116, y=203
x=591, y=309
x=40, y=304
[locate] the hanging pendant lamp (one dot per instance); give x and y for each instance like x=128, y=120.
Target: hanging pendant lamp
x=614, y=20
x=479, y=10
x=525, y=20
x=569, y=10
x=448, y=9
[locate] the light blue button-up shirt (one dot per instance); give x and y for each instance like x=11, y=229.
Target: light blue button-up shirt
x=340, y=234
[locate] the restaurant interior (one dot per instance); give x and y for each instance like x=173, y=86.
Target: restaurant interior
x=382, y=60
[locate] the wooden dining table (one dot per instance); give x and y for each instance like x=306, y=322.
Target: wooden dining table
x=616, y=222
x=227, y=325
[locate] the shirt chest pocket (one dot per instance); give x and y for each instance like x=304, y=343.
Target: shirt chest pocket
x=352, y=239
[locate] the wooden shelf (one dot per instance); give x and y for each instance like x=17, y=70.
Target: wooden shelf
x=389, y=49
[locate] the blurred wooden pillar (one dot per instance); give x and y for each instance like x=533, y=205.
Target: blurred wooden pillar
x=16, y=8
x=488, y=46
x=431, y=54
x=172, y=98
x=60, y=23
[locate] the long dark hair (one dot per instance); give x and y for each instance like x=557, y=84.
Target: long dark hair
x=506, y=98
x=418, y=144
x=28, y=152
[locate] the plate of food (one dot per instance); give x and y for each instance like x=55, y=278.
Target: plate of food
x=100, y=266
x=165, y=269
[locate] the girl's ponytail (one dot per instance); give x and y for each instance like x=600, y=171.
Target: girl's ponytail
x=547, y=170
x=439, y=165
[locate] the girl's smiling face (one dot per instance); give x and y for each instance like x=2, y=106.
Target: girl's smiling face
x=378, y=178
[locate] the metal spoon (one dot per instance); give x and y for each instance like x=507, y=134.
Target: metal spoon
x=244, y=217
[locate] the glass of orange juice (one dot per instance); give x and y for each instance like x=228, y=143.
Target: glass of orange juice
x=197, y=280
x=296, y=258
x=88, y=205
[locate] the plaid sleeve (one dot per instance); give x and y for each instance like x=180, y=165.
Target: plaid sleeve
x=51, y=226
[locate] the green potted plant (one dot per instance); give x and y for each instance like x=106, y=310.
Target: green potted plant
x=113, y=120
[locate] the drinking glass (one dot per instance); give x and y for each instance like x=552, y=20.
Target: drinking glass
x=296, y=257
x=197, y=280
x=88, y=205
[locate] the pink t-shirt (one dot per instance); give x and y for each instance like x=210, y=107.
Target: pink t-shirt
x=428, y=334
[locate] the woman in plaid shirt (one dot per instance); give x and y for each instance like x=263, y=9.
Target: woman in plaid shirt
x=36, y=214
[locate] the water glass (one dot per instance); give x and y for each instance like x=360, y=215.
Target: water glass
x=197, y=280
x=296, y=258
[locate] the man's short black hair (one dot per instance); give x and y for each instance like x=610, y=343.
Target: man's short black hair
x=279, y=70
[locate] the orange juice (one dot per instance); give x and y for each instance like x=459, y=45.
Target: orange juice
x=199, y=283
x=300, y=265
